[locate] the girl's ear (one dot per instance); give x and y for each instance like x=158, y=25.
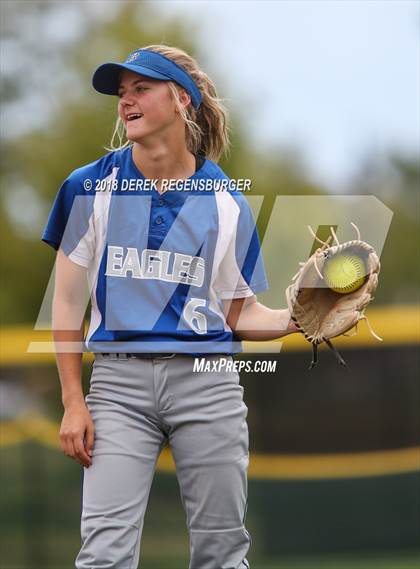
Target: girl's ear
x=184, y=97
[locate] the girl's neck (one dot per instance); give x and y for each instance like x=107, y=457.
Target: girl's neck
x=158, y=162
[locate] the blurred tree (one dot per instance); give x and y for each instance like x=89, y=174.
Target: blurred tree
x=53, y=122
x=395, y=179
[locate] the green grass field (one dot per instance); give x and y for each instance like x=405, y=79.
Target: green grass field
x=403, y=561
x=377, y=561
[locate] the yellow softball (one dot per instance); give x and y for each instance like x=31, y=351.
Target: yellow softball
x=344, y=273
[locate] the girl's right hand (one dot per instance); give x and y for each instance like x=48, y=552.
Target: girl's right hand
x=77, y=433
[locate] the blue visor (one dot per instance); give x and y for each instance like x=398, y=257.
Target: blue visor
x=147, y=63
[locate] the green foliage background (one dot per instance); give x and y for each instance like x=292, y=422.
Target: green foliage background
x=70, y=124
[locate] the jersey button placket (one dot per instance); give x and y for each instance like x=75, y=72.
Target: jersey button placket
x=158, y=220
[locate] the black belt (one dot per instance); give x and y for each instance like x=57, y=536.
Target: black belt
x=138, y=355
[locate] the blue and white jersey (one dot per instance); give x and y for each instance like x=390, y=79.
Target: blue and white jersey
x=158, y=264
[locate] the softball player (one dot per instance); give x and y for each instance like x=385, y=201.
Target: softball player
x=172, y=274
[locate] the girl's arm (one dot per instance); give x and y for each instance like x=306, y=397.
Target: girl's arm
x=251, y=320
x=69, y=306
x=68, y=312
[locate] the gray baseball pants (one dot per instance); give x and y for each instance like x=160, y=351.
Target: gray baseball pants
x=137, y=405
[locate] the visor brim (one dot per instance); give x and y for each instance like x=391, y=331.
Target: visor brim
x=105, y=80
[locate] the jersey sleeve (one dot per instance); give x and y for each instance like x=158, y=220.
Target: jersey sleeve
x=70, y=224
x=242, y=272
